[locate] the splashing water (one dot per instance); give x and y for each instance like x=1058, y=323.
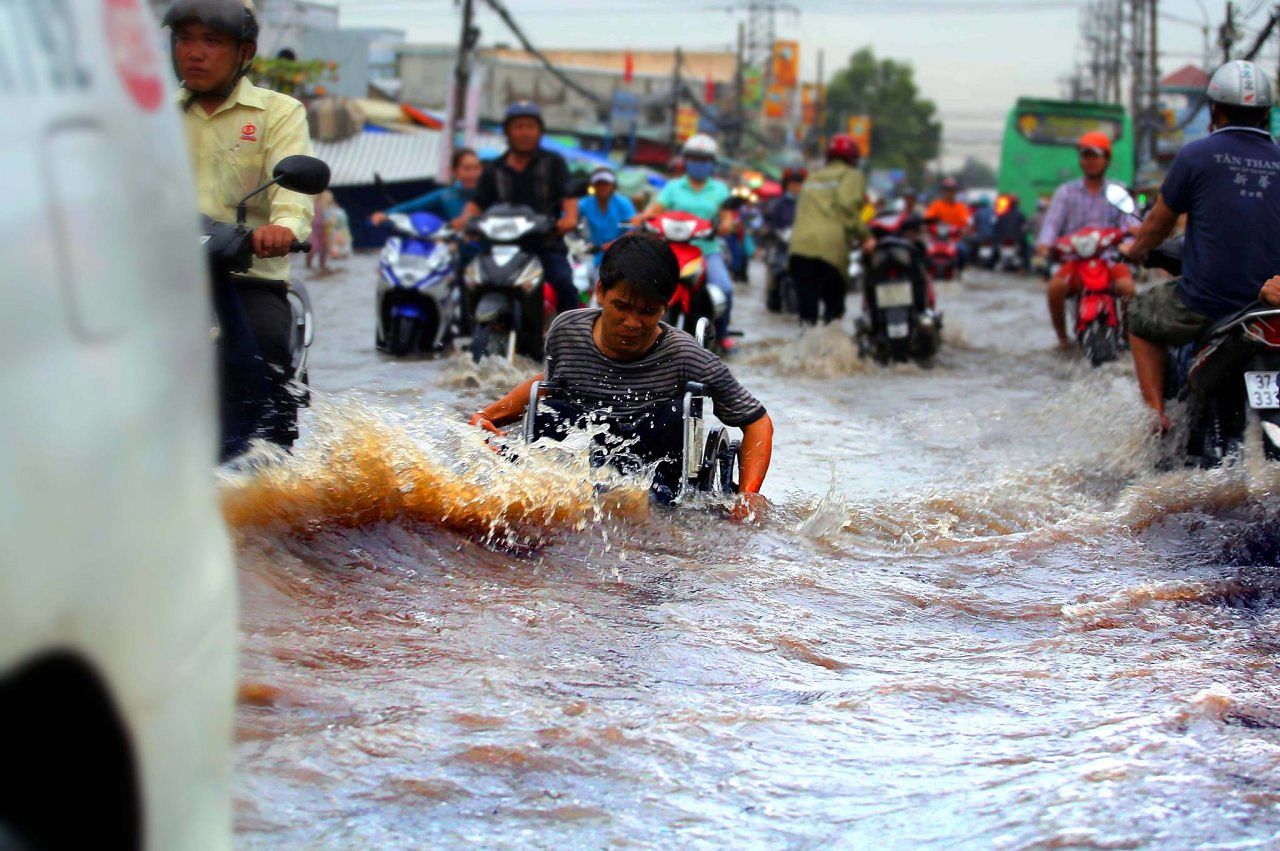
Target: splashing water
x=364, y=465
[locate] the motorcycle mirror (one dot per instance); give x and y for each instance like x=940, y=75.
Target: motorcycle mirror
x=1119, y=197
x=304, y=174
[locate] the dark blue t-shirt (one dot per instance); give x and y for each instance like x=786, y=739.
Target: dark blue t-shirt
x=1229, y=185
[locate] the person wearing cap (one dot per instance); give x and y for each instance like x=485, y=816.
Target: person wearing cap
x=1228, y=186
x=949, y=210
x=528, y=175
x=1080, y=203
x=237, y=133
x=606, y=212
x=699, y=193
x=828, y=224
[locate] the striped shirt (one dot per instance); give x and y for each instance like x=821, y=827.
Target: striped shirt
x=1074, y=207
x=619, y=390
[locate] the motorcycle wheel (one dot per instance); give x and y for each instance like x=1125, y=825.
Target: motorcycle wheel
x=1270, y=450
x=773, y=294
x=900, y=350
x=484, y=342
x=404, y=334
x=1099, y=344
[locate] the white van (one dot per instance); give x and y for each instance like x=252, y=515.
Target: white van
x=117, y=594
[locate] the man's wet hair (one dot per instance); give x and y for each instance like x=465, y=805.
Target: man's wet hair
x=644, y=262
x=1258, y=117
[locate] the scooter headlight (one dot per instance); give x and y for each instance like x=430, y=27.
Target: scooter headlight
x=391, y=251
x=530, y=276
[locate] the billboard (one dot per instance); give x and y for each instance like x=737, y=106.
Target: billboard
x=775, y=102
x=859, y=127
x=752, y=89
x=810, y=96
x=686, y=122
x=786, y=63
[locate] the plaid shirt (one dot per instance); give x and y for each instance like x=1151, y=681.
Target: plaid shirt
x=1073, y=208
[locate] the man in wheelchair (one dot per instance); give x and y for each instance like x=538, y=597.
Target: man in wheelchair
x=620, y=365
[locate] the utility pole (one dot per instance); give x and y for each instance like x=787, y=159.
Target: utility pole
x=1227, y=33
x=1153, y=105
x=820, y=103
x=1117, y=53
x=1137, y=82
x=739, y=90
x=462, y=68
x=675, y=98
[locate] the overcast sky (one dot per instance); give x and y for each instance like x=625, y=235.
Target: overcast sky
x=972, y=57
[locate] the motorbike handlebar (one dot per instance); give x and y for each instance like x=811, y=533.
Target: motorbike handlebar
x=300, y=247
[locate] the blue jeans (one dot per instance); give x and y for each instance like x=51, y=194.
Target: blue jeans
x=718, y=277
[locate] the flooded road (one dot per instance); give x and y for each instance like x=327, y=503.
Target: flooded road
x=975, y=616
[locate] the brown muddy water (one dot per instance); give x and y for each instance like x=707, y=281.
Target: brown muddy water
x=974, y=616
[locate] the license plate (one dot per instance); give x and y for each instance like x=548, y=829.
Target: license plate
x=894, y=295
x=898, y=330
x=1262, y=389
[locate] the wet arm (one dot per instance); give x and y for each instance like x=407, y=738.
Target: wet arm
x=510, y=407
x=757, y=450
x=1155, y=229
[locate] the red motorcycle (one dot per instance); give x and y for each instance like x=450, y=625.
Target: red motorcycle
x=693, y=301
x=944, y=251
x=1090, y=269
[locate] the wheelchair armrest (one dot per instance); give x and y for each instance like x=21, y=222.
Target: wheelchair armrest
x=697, y=388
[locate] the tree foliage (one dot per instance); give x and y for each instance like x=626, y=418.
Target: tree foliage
x=293, y=76
x=975, y=173
x=905, y=131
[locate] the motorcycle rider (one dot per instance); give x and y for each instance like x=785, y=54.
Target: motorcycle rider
x=984, y=226
x=620, y=364
x=606, y=212
x=1080, y=203
x=446, y=203
x=528, y=175
x=780, y=213
x=828, y=221
x=1011, y=226
x=1228, y=186
x=949, y=210
x=700, y=194
x=237, y=132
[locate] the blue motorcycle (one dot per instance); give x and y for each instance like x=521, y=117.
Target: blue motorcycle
x=419, y=304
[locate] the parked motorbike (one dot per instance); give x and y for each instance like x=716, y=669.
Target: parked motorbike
x=780, y=292
x=418, y=307
x=943, y=251
x=229, y=250
x=1088, y=265
x=693, y=300
x=899, y=321
x=513, y=301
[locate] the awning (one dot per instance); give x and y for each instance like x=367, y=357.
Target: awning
x=395, y=156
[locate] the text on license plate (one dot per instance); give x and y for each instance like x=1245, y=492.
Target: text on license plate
x=894, y=295
x=1262, y=389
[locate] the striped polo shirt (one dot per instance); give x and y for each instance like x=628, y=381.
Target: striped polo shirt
x=619, y=390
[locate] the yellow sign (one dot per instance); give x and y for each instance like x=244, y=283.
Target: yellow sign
x=686, y=122
x=859, y=127
x=810, y=96
x=786, y=63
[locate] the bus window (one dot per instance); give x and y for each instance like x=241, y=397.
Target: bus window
x=1047, y=129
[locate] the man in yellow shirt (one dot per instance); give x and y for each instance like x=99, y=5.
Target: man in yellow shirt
x=237, y=133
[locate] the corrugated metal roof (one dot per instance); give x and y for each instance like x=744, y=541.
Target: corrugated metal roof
x=395, y=156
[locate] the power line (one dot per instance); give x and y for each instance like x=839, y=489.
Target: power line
x=498, y=7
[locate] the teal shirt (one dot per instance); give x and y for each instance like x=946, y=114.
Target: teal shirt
x=704, y=203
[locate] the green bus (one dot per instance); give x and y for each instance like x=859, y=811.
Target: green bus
x=1039, y=150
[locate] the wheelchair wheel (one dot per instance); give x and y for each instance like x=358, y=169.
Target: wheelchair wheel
x=719, y=472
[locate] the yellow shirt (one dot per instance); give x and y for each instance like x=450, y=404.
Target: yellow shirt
x=234, y=151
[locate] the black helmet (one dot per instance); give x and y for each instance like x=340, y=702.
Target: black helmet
x=235, y=18
x=522, y=109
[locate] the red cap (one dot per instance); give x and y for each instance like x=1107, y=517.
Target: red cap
x=1096, y=140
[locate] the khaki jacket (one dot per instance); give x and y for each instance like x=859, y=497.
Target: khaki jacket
x=234, y=151
x=828, y=219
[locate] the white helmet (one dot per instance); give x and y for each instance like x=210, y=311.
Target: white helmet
x=1240, y=83
x=701, y=145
